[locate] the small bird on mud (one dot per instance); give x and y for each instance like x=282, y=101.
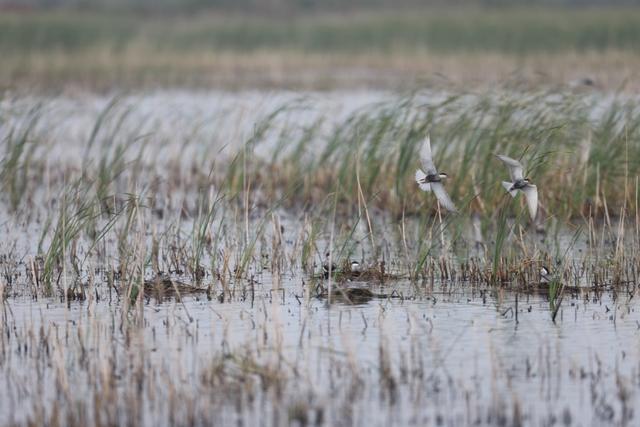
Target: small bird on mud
x=519, y=182
x=430, y=179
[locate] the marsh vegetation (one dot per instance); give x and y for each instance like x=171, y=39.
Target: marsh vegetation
x=168, y=261
x=183, y=247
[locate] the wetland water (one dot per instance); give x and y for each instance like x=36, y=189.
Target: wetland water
x=444, y=355
x=98, y=199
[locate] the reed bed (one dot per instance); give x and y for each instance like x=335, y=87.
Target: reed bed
x=136, y=247
x=212, y=209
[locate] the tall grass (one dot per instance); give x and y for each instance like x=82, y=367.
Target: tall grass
x=383, y=143
x=15, y=165
x=345, y=184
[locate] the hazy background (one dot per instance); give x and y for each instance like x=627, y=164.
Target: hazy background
x=257, y=6
x=101, y=45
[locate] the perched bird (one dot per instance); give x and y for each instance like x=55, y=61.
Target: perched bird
x=519, y=182
x=328, y=267
x=430, y=179
x=545, y=275
x=355, y=267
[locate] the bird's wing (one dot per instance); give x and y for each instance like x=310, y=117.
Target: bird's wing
x=509, y=187
x=442, y=196
x=515, y=167
x=531, y=193
x=426, y=158
x=420, y=176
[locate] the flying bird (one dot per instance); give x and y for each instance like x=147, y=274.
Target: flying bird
x=430, y=179
x=519, y=182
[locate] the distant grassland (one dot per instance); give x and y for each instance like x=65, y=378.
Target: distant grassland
x=510, y=31
x=88, y=42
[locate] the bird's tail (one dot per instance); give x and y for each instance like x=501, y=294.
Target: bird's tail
x=420, y=176
x=509, y=187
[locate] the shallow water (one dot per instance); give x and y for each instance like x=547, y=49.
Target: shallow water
x=451, y=354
